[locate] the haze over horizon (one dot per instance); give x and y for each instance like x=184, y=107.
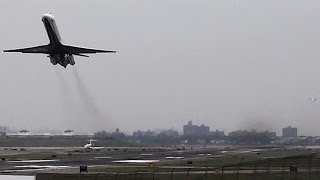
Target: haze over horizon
x=227, y=64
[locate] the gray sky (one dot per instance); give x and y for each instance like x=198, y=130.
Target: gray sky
x=228, y=64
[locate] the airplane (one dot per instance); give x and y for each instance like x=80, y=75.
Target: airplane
x=313, y=99
x=90, y=145
x=57, y=52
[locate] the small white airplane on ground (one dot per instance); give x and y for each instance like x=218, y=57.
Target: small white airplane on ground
x=90, y=145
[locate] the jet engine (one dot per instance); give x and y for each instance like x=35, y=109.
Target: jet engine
x=53, y=60
x=70, y=59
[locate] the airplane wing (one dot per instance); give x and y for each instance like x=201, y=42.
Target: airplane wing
x=79, y=50
x=44, y=49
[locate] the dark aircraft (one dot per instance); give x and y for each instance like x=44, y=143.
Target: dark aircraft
x=58, y=52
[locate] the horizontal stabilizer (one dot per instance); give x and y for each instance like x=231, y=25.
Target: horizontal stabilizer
x=44, y=49
x=79, y=50
x=81, y=55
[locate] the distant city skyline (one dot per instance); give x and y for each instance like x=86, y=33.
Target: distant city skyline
x=205, y=130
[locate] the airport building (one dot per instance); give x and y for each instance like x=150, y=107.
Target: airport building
x=24, y=132
x=289, y=132
x=195, y=130
x=68, y=132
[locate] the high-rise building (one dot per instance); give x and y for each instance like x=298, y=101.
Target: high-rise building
x=170, y=133
x=3, y=128
x=144, y=133
x=217, y=133
x=195, y=130
x=289, y=132
x=3, y=131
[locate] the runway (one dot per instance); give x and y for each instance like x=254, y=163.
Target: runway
x=29, y=160
x=32, y=160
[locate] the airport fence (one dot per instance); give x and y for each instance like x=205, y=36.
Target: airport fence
x=293, y=167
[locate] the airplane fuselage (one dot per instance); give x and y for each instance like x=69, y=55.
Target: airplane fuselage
x=87, y=146
x=57, y=53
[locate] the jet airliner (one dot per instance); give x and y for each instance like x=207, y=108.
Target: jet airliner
x=57, y=52
x=90, y=145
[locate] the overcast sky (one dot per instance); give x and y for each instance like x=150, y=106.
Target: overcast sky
x=237, y=64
